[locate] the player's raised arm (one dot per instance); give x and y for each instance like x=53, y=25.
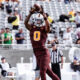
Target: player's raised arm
x=47, y=28
x=27, y=25
x=34, y=9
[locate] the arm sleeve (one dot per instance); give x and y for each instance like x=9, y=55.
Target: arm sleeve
x=11, y=19
x=14, y=18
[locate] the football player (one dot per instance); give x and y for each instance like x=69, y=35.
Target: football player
x=39, y=28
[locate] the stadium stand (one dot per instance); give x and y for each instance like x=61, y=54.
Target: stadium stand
x=54, y=9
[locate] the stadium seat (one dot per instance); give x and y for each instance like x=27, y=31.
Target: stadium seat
x=68, y=74
x=25, y=72
x=54, y=8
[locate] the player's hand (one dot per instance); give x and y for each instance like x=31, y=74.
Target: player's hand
x=41, y=10
x=32, y=11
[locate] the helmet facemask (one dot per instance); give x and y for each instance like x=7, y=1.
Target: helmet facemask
x=37, y=20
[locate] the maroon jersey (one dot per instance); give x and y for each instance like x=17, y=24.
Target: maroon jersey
x=38, y=37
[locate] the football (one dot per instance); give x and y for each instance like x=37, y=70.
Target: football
x=37, y=7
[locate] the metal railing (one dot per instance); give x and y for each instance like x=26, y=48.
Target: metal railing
x=29, y=46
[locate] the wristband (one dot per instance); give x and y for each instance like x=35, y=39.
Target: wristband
x=31, y=12
x=45, y=18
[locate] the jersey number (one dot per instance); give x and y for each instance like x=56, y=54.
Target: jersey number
x=37, y=35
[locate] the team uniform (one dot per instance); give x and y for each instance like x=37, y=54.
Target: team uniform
x=38, y=38
x=39, y=27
